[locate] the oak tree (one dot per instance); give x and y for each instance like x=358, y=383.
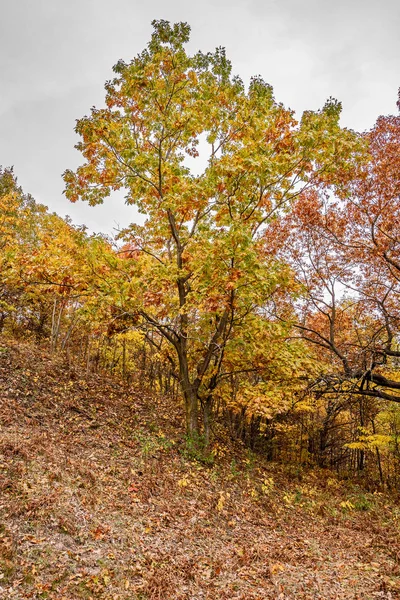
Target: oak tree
x=201, y=273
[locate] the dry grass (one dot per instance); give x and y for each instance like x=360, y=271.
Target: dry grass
x=100, y=500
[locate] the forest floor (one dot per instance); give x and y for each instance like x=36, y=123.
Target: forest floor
x=100, y=499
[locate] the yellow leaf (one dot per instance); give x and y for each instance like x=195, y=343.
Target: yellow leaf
x=276, y=568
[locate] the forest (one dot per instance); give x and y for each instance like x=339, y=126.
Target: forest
x=262, y=291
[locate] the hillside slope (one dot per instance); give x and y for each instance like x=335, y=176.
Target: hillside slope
x=100, y=499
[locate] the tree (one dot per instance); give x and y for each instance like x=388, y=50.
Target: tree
x=351, y=244
x=202, y=276
x=345, y=251
x=18, y=216
x=46, y=264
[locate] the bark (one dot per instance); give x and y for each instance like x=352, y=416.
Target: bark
x=207, y=406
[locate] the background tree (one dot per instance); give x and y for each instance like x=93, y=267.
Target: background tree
x=344, y=249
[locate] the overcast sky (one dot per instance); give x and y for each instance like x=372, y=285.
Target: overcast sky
x=55, y=56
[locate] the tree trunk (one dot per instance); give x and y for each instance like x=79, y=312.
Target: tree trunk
x=190, y=397
x=206, y=419
x=191, y=409
x=189, y=389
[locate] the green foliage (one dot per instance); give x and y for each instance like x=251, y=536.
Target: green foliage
x=152, y=443
x=196, y=449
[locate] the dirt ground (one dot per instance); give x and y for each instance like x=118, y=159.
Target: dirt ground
x=101, y=499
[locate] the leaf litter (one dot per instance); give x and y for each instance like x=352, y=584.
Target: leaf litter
x=99, y=499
